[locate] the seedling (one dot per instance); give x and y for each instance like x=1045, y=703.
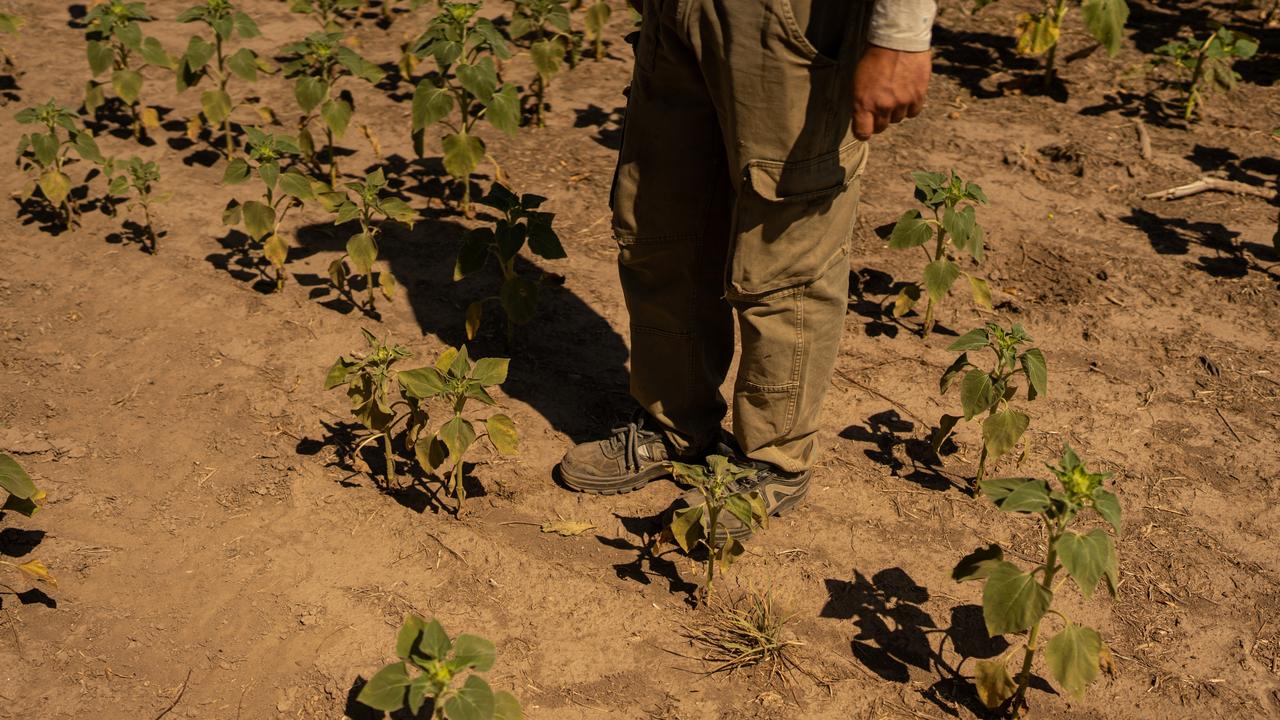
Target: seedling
x=331, y=15
x=520, y=223
x=544, y=25
x=282, y=191
x=205, y=59
x=114, y=33
x=1014, y=601
x=9, y=25
x=990, y=392
x=370, y=382
x=317, y=64
x=46, y=153
x=371, y=209
x=597, y=17
x=22, y=496
x=953, y=228
x=1038, y=33
x=456, y=380
x=440, y=663
x=700, y=524
x=463, y=88
x=1206, y=64
x=137, y=181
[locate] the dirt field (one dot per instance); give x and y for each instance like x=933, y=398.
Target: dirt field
x=216, y=558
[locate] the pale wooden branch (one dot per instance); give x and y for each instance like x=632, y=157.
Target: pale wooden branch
x=1205, y=184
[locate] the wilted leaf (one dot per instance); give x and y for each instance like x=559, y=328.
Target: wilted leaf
x=1072, y=657
x=502, y=433
x=978, y=564
x=567, y=528
x=1002, y=430
x=993, y=683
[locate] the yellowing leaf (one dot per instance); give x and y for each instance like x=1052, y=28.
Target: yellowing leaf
x=150, y=118
x=37, y=570
x=567, y=528
x=276, y=250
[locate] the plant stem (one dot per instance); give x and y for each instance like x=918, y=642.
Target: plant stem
x=391, y=460
x=713, y=516
x=1024, y=676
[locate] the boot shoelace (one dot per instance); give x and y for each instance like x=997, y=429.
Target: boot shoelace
x=629, y=438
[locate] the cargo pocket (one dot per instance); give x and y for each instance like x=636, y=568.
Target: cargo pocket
x=792, y=220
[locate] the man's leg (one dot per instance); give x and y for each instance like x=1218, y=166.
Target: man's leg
x=783, y=101
x=672, y=205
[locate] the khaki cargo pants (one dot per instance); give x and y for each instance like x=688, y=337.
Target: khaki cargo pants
x=735, y=197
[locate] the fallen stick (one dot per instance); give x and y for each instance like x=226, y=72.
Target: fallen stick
x=1205, y=184
x=1144, y=139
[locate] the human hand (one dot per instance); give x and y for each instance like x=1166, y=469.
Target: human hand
x=888, y=86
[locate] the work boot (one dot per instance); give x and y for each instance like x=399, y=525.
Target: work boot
x=628, y=459
x=780, y=491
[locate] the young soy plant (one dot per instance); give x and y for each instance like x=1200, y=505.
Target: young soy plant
x=46, y=154
x=700, y=524
x=113, y=30
x=205, y=59
x=22, y=496
x=456, y=380
x=440, y=664
x=283, y=190
x=136, y=180
x=520, y=223
x=597, y=17
x=463, y=88
x=1039, y=32
x=953, y=228
x=990, y=392
x=1206, y=64
x=1014, y=601
x=371, y=209
x=544, y=25
x=370, y=381
x=317, y=64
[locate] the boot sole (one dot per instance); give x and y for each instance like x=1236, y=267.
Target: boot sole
x=615, y=485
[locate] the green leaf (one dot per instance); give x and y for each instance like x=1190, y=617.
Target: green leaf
x=543, y=240
x=959, y=225
x=1033, y=365
x=1072, y=657
x=297, y=185
x=748, y=508
x=422, y=383
x=216, y=105
x=471, y=651
x=198, y=53
x=14, y=479
x=978, y=564
x=473, y=252
x=910, y=231
x=237, y=172
x=975, y=339
x=244, y=63
x=503, y=110
x=939, y=276
x=997, y=489
x=100, y=57
x=1108, y=506
x=946, y=424
x=992, y=681
x=337, y=373
x=127, y=84
x=506, y=706
x=386, y=689
x=1012, y=600
x=729, y=552
x=362, y=251
x=457, y=435
x=1105, y=20
x=462, y=154
x=337, y=115
x=1031, y=496
x=686, y=527
x=435, y=641
x=259, y=219
x=502, y=433
x=547, y=55
x=473, y=701
x=407, y=637
x=1002, y=430
x=976, y=393
x=1088, y=558
x=431, y=104
x=269, y=171
x=479, y=79
x=309, y=92
x=490, y=371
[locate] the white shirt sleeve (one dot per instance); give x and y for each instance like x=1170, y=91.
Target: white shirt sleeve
x=905, y=25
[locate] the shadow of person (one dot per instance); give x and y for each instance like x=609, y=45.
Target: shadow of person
x=568, y=363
